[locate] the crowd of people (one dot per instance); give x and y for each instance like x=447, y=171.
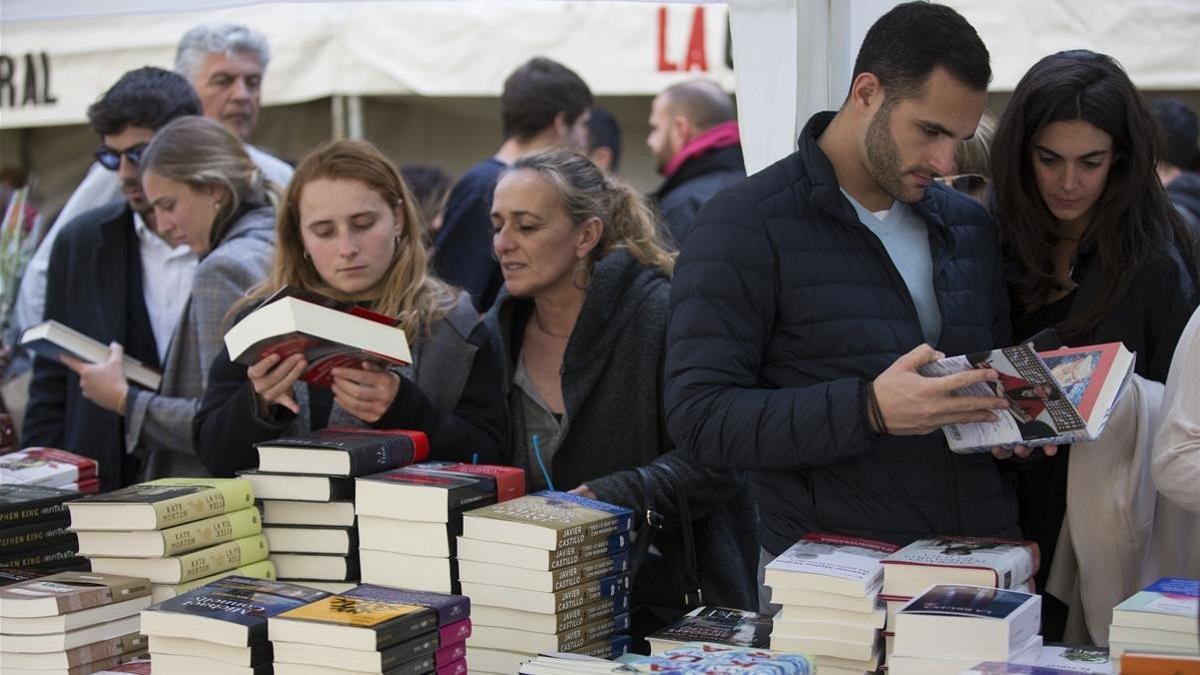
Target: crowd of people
x=739, y=355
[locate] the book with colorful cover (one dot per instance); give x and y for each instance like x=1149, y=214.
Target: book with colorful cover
x=36, y=534
x=976, y=561
x=830, y=563
x=450, y=608
x=68, y=592
x=716, y=625
x=233, y=610
x=965, y=622
x=353, y=623
x=341, y=452
x=547, y=520
x=510, y=480
x=1169, y=604
x=21, y=504
x=1055, y=397
x=710, y=658
x=1051, y=660
x=161, y=503
x=189, y=566
x=329, y=333
x=45, y=466
x=171, y=541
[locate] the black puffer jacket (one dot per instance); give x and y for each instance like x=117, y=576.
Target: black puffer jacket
x=783, y=306
x=680, y=197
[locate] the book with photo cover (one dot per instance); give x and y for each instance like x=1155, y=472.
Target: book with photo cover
x=342, y=452
x=51, y=339
x=510, y=480
x=353, y=623
x=329, y=333
x=1169, y=604
x=717, y=625
x=46, y=466
x=973, y=561
x=160, y=503
x=1055, y=397
x=450, y=608
x=963, y=622
x=21, y=504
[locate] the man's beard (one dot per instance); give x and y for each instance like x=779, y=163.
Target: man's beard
x=883, y=156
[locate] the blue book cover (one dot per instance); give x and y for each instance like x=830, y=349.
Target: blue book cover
x=623, y=515
x=449, y=608
x=242, y=600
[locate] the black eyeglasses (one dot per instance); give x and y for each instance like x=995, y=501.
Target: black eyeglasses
x=964, y=182
x=111, y=159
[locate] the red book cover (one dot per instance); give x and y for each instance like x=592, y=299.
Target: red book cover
x=48, y=467
x=510, y=480
x=419, y=440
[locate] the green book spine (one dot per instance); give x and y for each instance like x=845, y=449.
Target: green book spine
x=212, y=531
x=209, y=561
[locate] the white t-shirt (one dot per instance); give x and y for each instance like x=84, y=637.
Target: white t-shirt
x=167, y=275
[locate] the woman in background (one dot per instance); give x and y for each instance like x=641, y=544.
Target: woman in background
x=348, y=229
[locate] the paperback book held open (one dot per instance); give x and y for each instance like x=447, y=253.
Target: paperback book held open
x=330, y=334
x=1054, y=397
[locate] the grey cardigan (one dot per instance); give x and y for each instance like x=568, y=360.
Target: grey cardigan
x=158, y=425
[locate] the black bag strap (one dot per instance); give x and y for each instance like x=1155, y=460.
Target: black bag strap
x=693, y=597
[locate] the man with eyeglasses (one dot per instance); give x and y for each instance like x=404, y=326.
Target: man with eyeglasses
x=225, y=64
x=111, y=277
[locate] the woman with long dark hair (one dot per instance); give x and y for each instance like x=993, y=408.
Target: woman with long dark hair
x=1095, y=249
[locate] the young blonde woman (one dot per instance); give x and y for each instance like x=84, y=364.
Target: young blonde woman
x=209, y=195
x=582, y=321
x=348, y=229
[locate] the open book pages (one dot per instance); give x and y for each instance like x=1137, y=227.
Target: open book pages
x=1055, y=397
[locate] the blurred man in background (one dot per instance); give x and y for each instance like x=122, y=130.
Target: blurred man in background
x=604, y=141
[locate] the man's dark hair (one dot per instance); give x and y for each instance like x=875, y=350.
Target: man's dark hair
x=905, y=45
x=1181, y=129
x=536, y=93
x=604, y=132
x=148, y=97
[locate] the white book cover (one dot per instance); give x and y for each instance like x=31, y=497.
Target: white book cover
x=1170, y=604
x=1000, y=563
x=848, y=559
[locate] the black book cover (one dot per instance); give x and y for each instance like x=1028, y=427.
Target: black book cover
x=414, y=667
x=13, y=575
x=62, y=554
x=351, y=538
x=736, y=627
x=369, y=452
x=36, y=534
x=29, y=503
x=397, y=656
x=466, y=491
x=340, y=488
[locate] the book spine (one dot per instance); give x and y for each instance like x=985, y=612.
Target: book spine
x=407, y=651
x=586, y=634
x=609, y=648
x=589, y=592
x=49, y=557
x=132, y=643
x=574, y=536
x=595, y=548
x=602, y=609
x=405, y=628
x=226, y=556
x=211, y=531
x=229, y=496
x=388, y=453
x=455, y=632
x=28, y=513
x=36, y=535
x=565, y=577
x=449, y=654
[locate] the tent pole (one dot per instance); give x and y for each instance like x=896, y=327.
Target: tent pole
x=337, y=117
x=354, y=117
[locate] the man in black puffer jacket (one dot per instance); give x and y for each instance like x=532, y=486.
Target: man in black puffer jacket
x=808, y=294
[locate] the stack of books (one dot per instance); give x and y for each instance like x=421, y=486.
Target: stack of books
x=310, y=480
x=177, y=532
x=972, y=561
x=1158, y=622
x=547, y=572
x=714, y=625
x=1051, y=660
x=691, y=658
x=951, y=628
x=220, y=628
x=408, y=519
x=50, y=467
x=34, y=529
x=370, y=629
x=829, y=588
x=134, y=667
x=71, y=622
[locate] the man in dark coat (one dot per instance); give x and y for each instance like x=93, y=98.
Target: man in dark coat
x=97, y=283
x=808, y=295
x=1180, y=160
x=694, y=138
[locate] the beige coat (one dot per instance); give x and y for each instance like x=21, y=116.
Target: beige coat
x=1175, y=462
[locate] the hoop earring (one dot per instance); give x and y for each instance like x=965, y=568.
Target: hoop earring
x=307, y=256
x=587, y=275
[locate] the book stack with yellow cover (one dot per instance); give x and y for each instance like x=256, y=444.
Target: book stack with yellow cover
x=547, y=572
x=220, y=628
x=71, y=622
x=369, y=629
x=179, y=533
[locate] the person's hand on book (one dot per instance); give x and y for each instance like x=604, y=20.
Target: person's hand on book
x=273, y=380
x=912, y=404
x=366, y=393
x=1022, y=451
x=102, y=383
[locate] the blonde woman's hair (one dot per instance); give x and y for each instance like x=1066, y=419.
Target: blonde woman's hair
x=201, y=153
x=408, y=291
x=586, y=192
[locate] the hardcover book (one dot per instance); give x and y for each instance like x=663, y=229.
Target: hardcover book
x=29, y=503
x=717, y=625
x=36, y=534
x=1055, y=397
x=1169, y=604
x=547, y=520
x=59, y=556
x=956, y=621
x=455, y=632
x=171, y=541
x=510, y=480
x=352, y=623
x=998, y=563
x=382, y=661
x=51, y=339
x=424, y=495
x=324, y=540
x=330, y=334
x=232, y=611
x=45, y=466
x=299, y=487
x=341, y=452
x=160, y=503
x=830, y=564
x=68, y=592
x=317, y=567
x=294, y=512
x=188, y=566
x=449, y=608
